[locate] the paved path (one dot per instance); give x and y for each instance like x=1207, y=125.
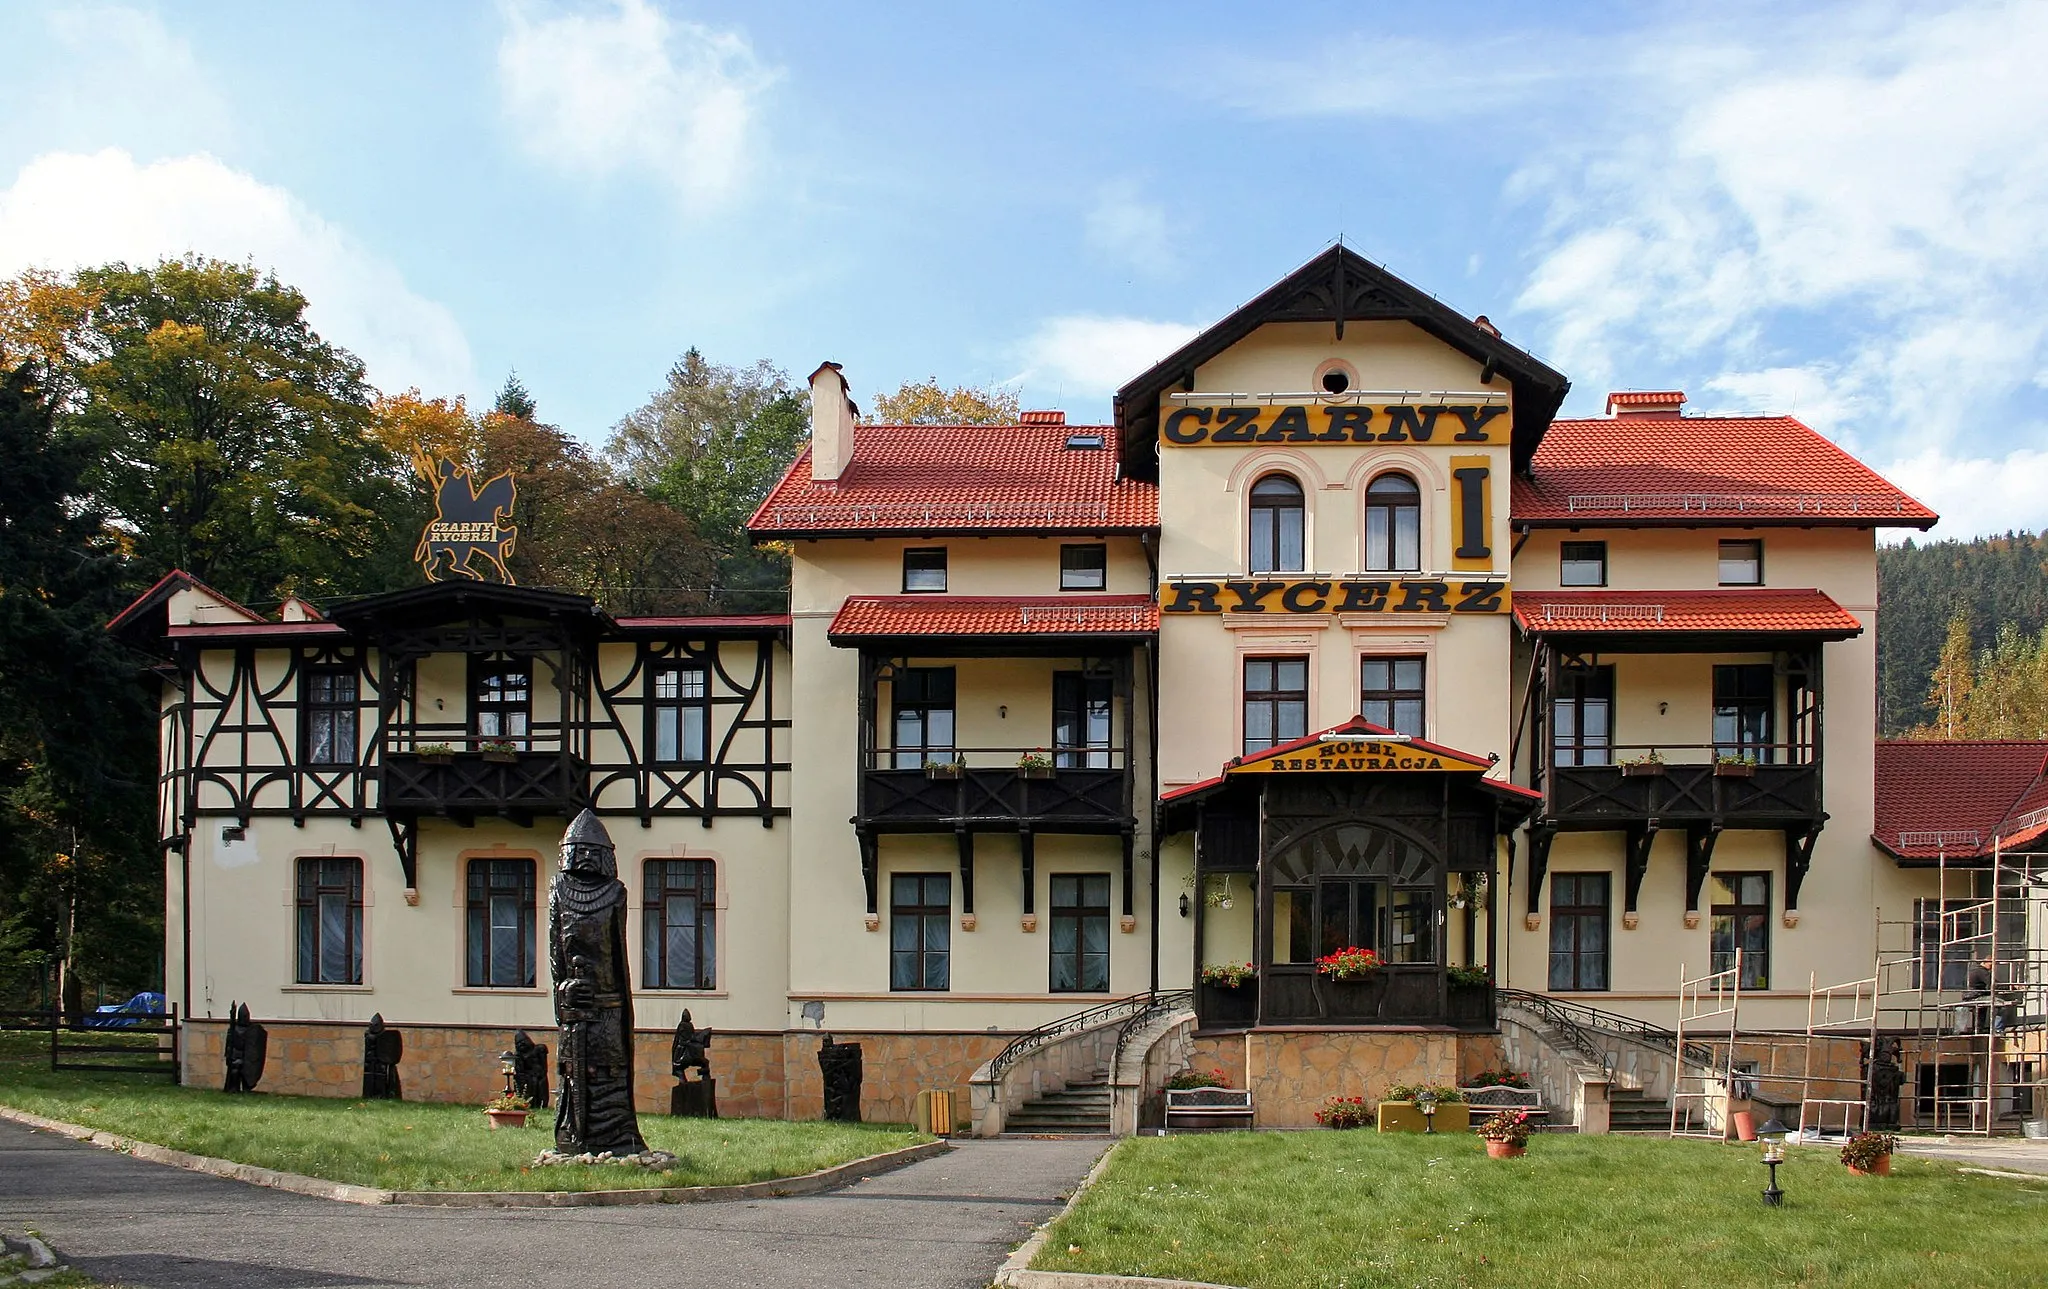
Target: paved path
x=2010, y=1154
x=946, y=1223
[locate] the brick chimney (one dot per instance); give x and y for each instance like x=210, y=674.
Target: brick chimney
x=832, y=416
x=1632, y=403
x=1042, y=418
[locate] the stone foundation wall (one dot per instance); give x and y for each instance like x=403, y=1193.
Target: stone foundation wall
x=764, y=1076
x=1291, y=1073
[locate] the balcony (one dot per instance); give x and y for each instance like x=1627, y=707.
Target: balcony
x=1686, y=785
x=985, y=790
x=469, y=783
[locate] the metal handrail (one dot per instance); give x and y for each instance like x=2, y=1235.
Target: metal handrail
x=1171, y=1000
x=1030, y=1041
x=1574, y=1019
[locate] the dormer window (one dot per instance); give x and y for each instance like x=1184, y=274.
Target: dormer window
x=924, y=569
x=1278, y=544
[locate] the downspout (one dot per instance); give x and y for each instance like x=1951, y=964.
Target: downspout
x=1151, y=654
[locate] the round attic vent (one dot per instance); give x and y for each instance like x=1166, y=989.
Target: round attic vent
x=1335, y=376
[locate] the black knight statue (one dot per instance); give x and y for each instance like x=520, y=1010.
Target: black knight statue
x=530, y=1069
x=382, y=1050
x=593, y=997
x=243, y=1053
x=840, y=1064
x=692, y=1098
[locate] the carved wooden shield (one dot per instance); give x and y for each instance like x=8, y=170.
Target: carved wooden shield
x=255, y=1045
x=390, y=1047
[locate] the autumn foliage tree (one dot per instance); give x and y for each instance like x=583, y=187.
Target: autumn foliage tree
x=926, y=402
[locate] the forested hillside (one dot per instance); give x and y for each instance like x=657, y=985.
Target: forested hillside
x=2000, y=583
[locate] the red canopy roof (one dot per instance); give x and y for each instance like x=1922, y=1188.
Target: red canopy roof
x=889, y=616
x=912, y=479
x=1746, y=612
x=1761, y=470
x=1362, y=729
x=1959, y=798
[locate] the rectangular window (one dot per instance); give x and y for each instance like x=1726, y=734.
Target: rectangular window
x=681, y=713
x=1582, y=717
x=677, y=924
x=1080, y=933
x=1294, y=924
x=1348, y=915
x=1411, y=926
x=1742, y=563
x=1080, y=720
x=1944, y=955
x=1393, y=696
x=1578, y=931
x=501, y=923
x=920, y=931
x=330, y=916
x=1742, y=920
x=924, y=568
x=501, y=699
x=1582, y=564
x=329, y=715
x=924, y=715
x=1084, y=568
x=1743, y=694
x=1275, y=701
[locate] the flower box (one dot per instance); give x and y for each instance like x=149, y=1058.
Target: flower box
x=1734, y=770
x=1407, y=1116
x=500, y=757
x=1036, y=772
x=1229, y=1007
x=1641, y=769
x=948, y=770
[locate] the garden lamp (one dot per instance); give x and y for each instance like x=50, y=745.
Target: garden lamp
x=1772, y=1134
x=508, y=1067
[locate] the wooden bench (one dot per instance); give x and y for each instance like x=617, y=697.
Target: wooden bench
x=1208, y=1109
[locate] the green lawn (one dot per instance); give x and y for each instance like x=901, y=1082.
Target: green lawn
x=415, y=1145
x=1330, y=1210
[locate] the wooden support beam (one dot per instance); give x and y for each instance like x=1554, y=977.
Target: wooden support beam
x=1130, y=840
x=965, y=840
x=1640, y=839
x=1699, y=858
x=1026, y=843
x=1540, y=838
x=870, y=867
x=1798, y=859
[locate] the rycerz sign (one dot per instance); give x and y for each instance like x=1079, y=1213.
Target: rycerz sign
x=1279, y=596
x=1356, y=756
x=1452, y=424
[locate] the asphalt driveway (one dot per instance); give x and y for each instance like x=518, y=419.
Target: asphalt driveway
x=945, y=1223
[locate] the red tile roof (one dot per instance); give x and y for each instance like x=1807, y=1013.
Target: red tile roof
x=914, y=479
x=1959, y=798
x=1749, y=611
x=1761, y=470
x=872, y=616
x=1645, y=398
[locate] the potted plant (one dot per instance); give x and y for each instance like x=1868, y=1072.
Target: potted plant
x=1729, y=766
x=1650, y=762
x=1869, y=1154
x=1034, y=764
x=1229, y=975
x=436, y=753
x=1229, y=995
x=500, y=750
x=1350, y=964
x=1506, y=1135
x=508, y=1110
x=1345, y=1112
x=1471, y=994
x=953, y=769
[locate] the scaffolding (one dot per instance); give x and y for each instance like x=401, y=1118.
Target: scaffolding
x=1963, y=996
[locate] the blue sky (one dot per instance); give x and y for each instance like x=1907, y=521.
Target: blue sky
x=1835, y=211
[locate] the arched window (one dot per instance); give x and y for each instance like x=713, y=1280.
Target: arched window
x=1393, y=525
x=1277, y=526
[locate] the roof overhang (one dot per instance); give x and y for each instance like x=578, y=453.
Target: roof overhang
x=443, y=602
x=1682, y=621
x=931, y=625
x=1336, y=287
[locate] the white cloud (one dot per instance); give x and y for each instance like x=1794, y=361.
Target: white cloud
x=1385, y=77
x=1975, y=495
x=1091, y=355
x=601, y=93
x=1124, y=226
x=113, y=72
x=1844, y=212
x=65, y=210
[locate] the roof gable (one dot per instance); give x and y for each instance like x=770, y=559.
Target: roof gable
x=1340, y=286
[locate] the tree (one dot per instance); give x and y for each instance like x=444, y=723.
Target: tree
x=1954, y=678
x=925, y=403
x=514, y=401
x=711, y=443
x=77, y=735
x=225, y=436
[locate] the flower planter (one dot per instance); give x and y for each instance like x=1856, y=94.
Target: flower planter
x=502, y=758
x=1642, y=770
x=1505, y=1150
x=1227, y=1007
x=944, y=771
x=1407, y=1116
x=1882, y=1168
x=1734, y=771
x=507, y=1118
x=1035, y=772
x=437, y=758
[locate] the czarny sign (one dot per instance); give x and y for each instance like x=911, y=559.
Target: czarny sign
x=1332, y=595
x=470, y=522
x=1453, y=424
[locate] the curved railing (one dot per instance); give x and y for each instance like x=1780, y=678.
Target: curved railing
x=1574, y=1019
x=1026, y=1043
x=1170, y=1001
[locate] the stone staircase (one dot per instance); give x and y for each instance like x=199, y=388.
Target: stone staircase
x=1633, y=1110
x=1081, y=1109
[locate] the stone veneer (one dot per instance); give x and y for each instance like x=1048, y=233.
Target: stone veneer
x=760, y=1075
x=1291, y=1073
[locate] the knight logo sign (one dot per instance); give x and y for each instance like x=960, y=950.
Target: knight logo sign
x=471, y=522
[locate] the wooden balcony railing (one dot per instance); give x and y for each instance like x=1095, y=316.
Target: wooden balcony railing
x=515, y=784
x=1088, y=789
x=1771, y=786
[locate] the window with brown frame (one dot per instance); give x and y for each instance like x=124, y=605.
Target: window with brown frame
x=330, y=920
x=678, y=918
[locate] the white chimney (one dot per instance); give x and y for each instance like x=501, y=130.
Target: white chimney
x=832, y=414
